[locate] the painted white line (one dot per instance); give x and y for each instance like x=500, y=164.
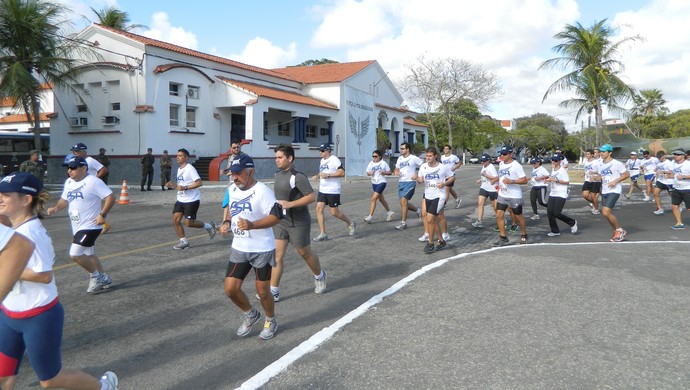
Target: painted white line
x=309, y=345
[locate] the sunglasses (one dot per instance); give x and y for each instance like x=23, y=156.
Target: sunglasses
x=72, y=168
x=374, y=156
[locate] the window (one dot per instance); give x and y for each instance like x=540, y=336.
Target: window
x=311, y=131
x=115, y=106
x=81, y=108
x=174, y=115
x=175, y=89
x=191, y=117
x=284, y=129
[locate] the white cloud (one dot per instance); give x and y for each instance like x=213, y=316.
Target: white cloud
x=163, y=30
x=261, y=52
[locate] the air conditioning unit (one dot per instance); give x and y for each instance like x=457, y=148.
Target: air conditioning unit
x=110, y=120
x=193, y=93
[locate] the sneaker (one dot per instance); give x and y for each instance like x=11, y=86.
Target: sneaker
x=535, y=217
x=457, y=203
x=477, y=224
x=424, y=237
x=626, y=196
x=109, y=381
x=496, y=229
x=523, y=239
x=350, y=231
x=270, y=329
x=249, y=320
x=429, y=248
x=402, y=226
x=573, y=229
x=596, y=212
x=419, y=214
x=514, y=228
x=679, y=226
x=659, y=211
x=212, y=230
x=321, y=237
x=106, y=281
x=618, y=236
x=106, y=228
x=552, y=234
x=320, y=284
x=95, y=285
x=502, y=241
x=445, y=237
x=276, y=296
x=368, y=219
x=181, y=245
x=440, y=245
x=389, y=216
x=646, y=199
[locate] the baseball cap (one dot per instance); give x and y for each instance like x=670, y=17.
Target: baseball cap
x=606, y=148
x=241, y=162
x=76, y=162
x=507, y=149
x=557, y=157
x=678, y=153
x=559, y=148
x=535, y=160
x=22, y=182
x=79, y=146
x=645, y=152
x=633, y=153
x=323, y=147
x=485, y=157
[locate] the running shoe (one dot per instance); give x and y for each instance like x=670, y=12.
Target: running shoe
x=596, y=212
x=553, y=234
x=457, y=203
x=626, y=196
x=389, y=216
x=646, y=199
x=109, y=381
x=402, y=226
x=514, y=228
x=679, y=226
x=477, y=224
x=573, y=229
x=659, y=211
x=496, y=229
x=419, y=214
x=106, y=281
x=276, y=296
x=181, y=245
x=502, y=241
x=445, y=237
x=535, y=217
x=270, y=329
x=440, y=244
x=106, y=228
x=351, y=230
x=320, y=284
x=250, y=319
x=321, y=237
x=523, y=239
x=618, y=235
x=429, y=248
x=211, y=230
x=95, y=284
x=424, y=237
x=368, y=219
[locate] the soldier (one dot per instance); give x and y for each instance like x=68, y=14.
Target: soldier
x=166, y=169
x=105, y=161
x=34, y=166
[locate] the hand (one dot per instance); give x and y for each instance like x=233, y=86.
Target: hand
x=225, y=228
x=243, y=224
x=284, y=204
x=51, y=211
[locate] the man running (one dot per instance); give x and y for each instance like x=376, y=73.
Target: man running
x=488, y=177
x=633, y=165
x=406, y=167
x=559, y=181
x=591, y=188
x=538, y=192
x=510, y=177
x=453, y=162
x=434, y=176
x=664, y=179
x=611, y=172
x=681, y=187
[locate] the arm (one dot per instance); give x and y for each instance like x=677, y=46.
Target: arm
x=197, y=183
x=109, y=202
x=37, y=277
x=102, y=172
x=304, y=201
x=13, y=259
x=340, y=172
x=61, y=204
x=263, y=223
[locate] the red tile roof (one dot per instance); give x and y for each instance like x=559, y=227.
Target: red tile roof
x=412, y=122
x=261, y=90
x=21, y=118
x=326, y=73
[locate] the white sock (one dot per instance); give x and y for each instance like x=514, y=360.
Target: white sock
x=275, y=290
x=207, y=225
x=319, y=276
x=184, y=240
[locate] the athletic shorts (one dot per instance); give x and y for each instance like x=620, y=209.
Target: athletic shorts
x=332, y=200
x=434, y=206
x=406, y=189
x=86, y=238
x=649, y=177
x=609, y=200
x=378, y=188
x=678, y=197
x=189, y=210
x=491, y=195
x=662, y=186
x=299, y=236
x=242, y=262
x=514, y=203
x=633, y=178
x=593, y=187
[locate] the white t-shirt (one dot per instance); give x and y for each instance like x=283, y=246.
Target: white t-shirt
x=609, y=172
x=252, y=204
x=666, y=165
x=329, y=166
x=683, y=169
x=84, y=199
x=28, y=295
x=432, y=176
x=186, y=176
x=564, y=163
x=450, y=161
x=633, y=165
x=5, y=234
x=377, y=168
x=649, y=165
x=408, y=166
x=512, y=171
x=591, y=167
x=486, y=185
x=539, y=172
x=94, y=166
x=559, y=190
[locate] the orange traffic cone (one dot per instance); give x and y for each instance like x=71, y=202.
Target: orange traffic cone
x=124, y=194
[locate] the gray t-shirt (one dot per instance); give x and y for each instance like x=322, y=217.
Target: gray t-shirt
x=292, y=185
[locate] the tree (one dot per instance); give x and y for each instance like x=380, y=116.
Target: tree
x=591, y=57
x=542, y=120
x=433, y=85
x=488, y=134
x=114, y=18
x=536, y=139
x=648, y=114
x=316, y=62
x=33, y=52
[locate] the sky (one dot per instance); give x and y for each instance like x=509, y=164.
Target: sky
x=509, y=38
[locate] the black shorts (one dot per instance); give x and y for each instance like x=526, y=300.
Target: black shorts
x=86, y=238
x=189, y=210
x=663, y=186
x=678, y=197
x=332, y=200
x=491, y=195
x=593, y=187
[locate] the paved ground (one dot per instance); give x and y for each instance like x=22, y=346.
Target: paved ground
x=573, y=311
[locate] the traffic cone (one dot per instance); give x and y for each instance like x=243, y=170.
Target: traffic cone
x=124, y=194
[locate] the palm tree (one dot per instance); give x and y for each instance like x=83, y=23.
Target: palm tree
x=591, y=56
x=114, y=18
x=33, y=52
x=649, y=102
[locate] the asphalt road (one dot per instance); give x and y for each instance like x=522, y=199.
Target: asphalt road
x=573, y=311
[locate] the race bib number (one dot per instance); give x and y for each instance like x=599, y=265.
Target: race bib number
x=239, y=233
x=74, y=216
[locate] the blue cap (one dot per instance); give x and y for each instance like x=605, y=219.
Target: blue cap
x=678, y=153
x=557, y=157
x=79, y=146
x=22, y=182
x=485, y=157
x=606, y=148
x=535, y=160
x=323, y=147
x=559, y=148
x=76, y=162
x=241, y=162
x=507, y=149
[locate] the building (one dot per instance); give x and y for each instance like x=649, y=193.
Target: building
x=147, y=93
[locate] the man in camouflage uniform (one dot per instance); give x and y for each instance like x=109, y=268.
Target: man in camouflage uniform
x=34, y=166
x=166, y=167
x=105, y=160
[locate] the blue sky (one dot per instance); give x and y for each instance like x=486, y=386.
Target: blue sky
x=510, y=37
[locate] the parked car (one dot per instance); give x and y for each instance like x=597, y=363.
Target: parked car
x=474, y=160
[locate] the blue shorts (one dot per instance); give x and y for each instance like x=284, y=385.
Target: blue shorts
x=649, y=177
x=633, y=178
x=406, y=189
x=40, y=336
x=378, y=188
x=609, y=200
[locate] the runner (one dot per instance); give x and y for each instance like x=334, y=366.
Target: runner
x=591, y=188
x=559, y=181
x=511, y=176
x=611, y=172
x=453, y=162
x=633, y=165
x=681, y=187
x=32, y=317
x=664, y=179
x=538, y=191
x=648, y=168
x=83, y=194
x=434, y=176
x=488, y=177
x=406, y=168
x=378, y=170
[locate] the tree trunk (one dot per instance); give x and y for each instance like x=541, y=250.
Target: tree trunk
x=36, y=114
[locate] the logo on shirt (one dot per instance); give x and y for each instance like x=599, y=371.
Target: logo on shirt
x=323, y=167
x=241, y=205
x=75, y=194
x=503, y=172
x=606, y=171
x=432, y=176
x=404, y=164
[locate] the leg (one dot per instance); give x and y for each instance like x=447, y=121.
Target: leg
x=233, y=289
x=372, y=205
x=657, y=200
x=500, y=222
x=481, y=200
x=72, y=379
x=90, y=263
x=277, y=271
x=177, y=224
x=608, y=214
x=403, y=208
x=340, y=215
x=319, y=216
x=311, y=259
x=267, y=302
x=383, y=202
x=551, y=214
x=533, y=194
